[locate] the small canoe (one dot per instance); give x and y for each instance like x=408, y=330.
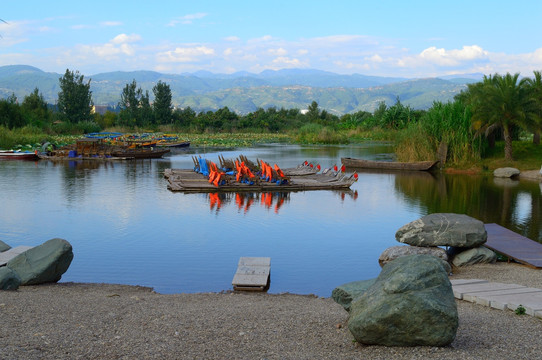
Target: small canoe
x=17, y=155
x=388, y=165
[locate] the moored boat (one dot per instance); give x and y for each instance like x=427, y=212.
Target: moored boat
x=388, y=165
x=139, y=153
x=18, y=155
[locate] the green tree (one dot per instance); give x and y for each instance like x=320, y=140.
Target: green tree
x=75, y=97
x=314, y=113
x=502, y=102
x=162, y=103
x=535, y=87
x=35, y=108
x=135, y=108
x=10, y=113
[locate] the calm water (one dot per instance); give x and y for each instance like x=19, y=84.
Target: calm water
x=126, y=227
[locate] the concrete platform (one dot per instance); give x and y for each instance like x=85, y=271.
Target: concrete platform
x=498, y=295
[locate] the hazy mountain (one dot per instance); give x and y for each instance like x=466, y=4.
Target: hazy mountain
x=245, y=92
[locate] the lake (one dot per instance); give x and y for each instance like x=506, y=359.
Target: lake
x=127, y=228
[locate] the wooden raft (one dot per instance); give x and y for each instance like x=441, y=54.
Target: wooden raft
x=252, y=274
x=514, y=246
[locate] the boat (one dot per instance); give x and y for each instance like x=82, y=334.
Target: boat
x=388, y=165
x=18, y=155
x=139, y=153
x=180, y=144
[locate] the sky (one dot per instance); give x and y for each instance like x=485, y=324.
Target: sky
x=413, y=39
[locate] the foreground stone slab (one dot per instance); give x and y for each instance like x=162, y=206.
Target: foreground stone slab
x=4, y=246
x=11, y=253
x=44, y=263
x=443, y=229
x=477, y=255
x=506, y=172
x=395, y=252
x=411, y=303
x=346, y=293
x=9, y=280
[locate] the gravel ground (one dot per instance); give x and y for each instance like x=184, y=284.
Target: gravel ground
x=98, y=321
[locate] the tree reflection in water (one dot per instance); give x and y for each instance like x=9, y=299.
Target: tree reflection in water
x=511, y=203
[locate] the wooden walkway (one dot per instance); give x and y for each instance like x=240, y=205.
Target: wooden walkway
x=514, y=246
x=252, y=274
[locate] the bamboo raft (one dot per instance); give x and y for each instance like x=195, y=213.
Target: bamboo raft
x=301, y=178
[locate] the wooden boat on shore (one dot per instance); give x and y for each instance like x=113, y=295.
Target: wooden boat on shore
x=17, y=155
x=388, y=165
x=190, y=181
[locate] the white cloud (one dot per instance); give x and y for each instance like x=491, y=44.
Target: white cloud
x=123, y=38
x=186, y=19
x=110, y=23
x=185, y=54
x=232, y=38
x=286, y=62
x=453, y=57
x=277, y=52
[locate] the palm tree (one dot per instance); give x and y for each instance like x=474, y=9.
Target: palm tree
x=535, y=86
x=503, y=102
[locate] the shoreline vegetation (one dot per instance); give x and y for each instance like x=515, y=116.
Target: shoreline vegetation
x=527, y=156
x=492, y=123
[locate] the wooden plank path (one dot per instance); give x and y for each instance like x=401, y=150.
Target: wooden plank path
x=498, y=295
x=514, y=246
x=252, y=274
x=11, y=253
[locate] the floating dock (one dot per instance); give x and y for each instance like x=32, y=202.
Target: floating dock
x=514, y=246
x=190, y=181
x=252, y=274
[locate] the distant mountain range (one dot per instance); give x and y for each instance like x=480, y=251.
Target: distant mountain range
x=245, y=92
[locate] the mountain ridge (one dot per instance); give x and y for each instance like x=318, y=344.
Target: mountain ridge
x=245, y=92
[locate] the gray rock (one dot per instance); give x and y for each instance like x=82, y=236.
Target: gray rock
x=477, y=255
x=344, y=294
x=443, y=229
x=394, y=252
x=506, y=172
x=44, y=263
x=9, y=280
x=410, y=304
x=4, y=246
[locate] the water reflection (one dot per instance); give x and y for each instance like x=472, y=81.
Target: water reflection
x=488, y=199
x=243, y=201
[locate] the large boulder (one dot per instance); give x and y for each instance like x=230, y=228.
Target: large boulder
x=443, y=229
x=4, y=246
x=506, y=172
x=44, y=263
x=477, y=255
x=411, y=303
x=395, y=252
x=9, y=280
x=344, y=294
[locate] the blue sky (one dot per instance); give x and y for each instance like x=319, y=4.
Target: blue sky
x=382, y=38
